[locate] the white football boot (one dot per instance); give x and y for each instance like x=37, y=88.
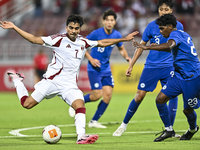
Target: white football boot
x=95, y=124
x=119, y=131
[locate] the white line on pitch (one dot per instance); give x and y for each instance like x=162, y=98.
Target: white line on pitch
x=73, y=134
x=16, y=133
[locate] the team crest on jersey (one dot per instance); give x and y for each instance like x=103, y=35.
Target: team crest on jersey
x=142, y=85
x=82, y=47
x=68, y=46
x=96, y=85
x=164, y=87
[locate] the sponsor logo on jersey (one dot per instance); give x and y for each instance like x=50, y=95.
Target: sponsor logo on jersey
x=68, y=46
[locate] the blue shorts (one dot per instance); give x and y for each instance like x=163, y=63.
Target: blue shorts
x=189, y=88
x=97, y=80
x=150, y=77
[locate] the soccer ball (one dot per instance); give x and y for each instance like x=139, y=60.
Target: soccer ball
x=51, y=134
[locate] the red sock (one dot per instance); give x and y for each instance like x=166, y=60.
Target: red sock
x=81, y=110
x=23, y=99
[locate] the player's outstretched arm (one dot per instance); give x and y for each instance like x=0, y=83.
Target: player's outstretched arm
x=161, y=47
x=108, y=42
x=31, y=38
x=137, y=54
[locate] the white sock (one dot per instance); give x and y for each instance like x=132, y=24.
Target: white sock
x=124, y=125
x=20, y=88
x=80, y=120
x=170, y=128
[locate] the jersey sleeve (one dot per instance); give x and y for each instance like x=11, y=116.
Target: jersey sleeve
x=90, y=44
x=120, y=43
x=179, y=26
x=146, y=34
x=174, y=35
x=51, y=41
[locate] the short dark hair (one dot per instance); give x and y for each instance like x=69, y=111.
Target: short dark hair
x=76, y=19
x=167, y=19
x=109, y=13
x=169, y=3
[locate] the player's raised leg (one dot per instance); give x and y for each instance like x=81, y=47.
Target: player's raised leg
x=17, y=78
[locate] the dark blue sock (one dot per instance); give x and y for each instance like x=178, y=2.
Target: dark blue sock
x=164, y=114
x=131, y=111
x=172, y=106
x=192, y=118
x=100, y=110
x=87, y=98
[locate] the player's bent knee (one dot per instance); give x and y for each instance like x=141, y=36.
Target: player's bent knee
x=29, y=103
x=79, y=103
x=27, y=106
x=139, y=98
x=96, y=97
x=161, y=98
x=187, y=111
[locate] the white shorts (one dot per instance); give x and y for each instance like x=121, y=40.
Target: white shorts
x=48, y=89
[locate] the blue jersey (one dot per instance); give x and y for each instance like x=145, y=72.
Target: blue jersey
x=186, y=62
x=157, y=59
x=102, y=53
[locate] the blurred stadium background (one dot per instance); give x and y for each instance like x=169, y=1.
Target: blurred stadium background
x=47, y=17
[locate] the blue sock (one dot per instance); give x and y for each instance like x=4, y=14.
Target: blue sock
x=164, y=114
x=100, y=110
x=192, y=118
x=172, y=106
x=87, y=98
x=131, y=111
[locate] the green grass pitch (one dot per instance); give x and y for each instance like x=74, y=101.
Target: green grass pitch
x=138, y=136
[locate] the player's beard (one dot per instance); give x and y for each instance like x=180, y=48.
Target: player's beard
x=73, y=37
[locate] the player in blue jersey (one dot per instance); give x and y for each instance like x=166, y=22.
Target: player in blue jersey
x=99, y=71
x=186, y=78
x=158, y=66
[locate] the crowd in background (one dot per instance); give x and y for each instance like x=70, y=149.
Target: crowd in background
x=132, y=14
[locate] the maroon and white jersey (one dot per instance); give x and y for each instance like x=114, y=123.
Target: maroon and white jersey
x=68, y=55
